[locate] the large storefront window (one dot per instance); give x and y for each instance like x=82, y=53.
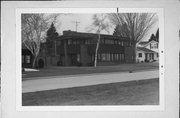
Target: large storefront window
x=105, y=57
x=107, y=41
x=110, y=57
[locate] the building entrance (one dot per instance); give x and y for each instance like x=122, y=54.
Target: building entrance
x=74, y=60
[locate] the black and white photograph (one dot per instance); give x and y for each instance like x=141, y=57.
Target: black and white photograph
x=90, y=59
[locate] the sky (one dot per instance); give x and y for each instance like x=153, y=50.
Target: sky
x=67, y=22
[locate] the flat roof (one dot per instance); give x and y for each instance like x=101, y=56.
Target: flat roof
x=74, y=34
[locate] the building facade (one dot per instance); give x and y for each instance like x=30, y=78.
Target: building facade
x=78, y=49
x=147, y=51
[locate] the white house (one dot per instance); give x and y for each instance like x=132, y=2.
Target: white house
x=147, y=51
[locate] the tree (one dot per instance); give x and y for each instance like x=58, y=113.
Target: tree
x=120, y=30
x=153, y=37
x=99, y=24
x=33, y=29
x=51, y=41
x=157, y=35
x=134, y=26
x=117, y=31
x=51, y=36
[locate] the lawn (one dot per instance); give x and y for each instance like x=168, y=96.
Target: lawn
x=143, y=92
x=62, y=71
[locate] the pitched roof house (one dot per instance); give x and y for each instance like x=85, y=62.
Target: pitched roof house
x=147, y=51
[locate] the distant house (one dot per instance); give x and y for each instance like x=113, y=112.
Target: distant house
x=147, y=51
x=78, y=49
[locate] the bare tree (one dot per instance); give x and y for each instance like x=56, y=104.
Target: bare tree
x=99, y=24
x=134, y=26
x=34, y=28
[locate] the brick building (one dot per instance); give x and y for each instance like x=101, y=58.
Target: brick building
x=78, y=49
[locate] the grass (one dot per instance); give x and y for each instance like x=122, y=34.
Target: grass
x=62, y=71
x=143, y=92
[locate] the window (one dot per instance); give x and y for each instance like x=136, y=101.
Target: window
x=74, y=42
x=102, y=41
x=157, y=54
x=153, y=45
x=139, y=54
x=108, y=57
x=58, y=43
x=69, y=42
x=99, y=57
x=119, y=42
x=130, y=44
x=87, y=41
x=115, y=42
x=28, y=59
x=78, y=57
x=22, y=58
x=121, y=57
x=109, y=41
x=105, y=57
x=92, y=57
x=122, y=44
x=112, y=57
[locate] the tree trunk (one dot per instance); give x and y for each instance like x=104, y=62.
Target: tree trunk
x=96, y=52
x=34, y=62
x=65, y=54
x=134, y=52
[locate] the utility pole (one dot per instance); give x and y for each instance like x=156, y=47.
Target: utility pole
x=76, y=22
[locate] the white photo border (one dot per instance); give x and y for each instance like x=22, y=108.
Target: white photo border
x=19, y=106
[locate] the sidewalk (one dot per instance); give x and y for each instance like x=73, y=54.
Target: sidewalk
x=84, y=80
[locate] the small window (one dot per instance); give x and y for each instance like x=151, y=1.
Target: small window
x=69, y=42
x=99, y=57
x=92, y=57
x=153, y=45
x=22, y=58
x=140, y=54
x=58, y=43
x=108, y=58
x=112, y=59
x=103, y=57
x=102, y=41
x=87, y=41
x=78, y=57
x=115, y=41
x=122, y=43
x=28, y=59
x=74, y=42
